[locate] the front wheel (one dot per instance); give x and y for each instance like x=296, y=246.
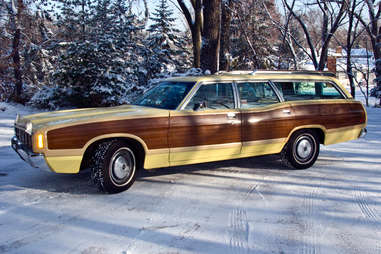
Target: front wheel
x=114, y=166
x=302, y=150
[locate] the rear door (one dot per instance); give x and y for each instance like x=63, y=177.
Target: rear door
x=266, y=120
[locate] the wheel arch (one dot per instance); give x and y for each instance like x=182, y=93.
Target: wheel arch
x=138, y=146
x=320, y=131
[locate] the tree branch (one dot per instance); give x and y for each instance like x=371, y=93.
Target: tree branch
x=186, y=13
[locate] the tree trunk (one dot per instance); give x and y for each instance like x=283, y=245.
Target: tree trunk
x=17, y=65
x=195, y=26
x=196, y=35
x=350, y=72
x=83, y=27
x=349, y=49
x=323, y=57
x=210, y=51
x=226, y=18
x=196, y=39
x=15, y=50
x=377, y=56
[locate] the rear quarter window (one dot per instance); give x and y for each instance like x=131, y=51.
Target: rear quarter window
x=308, y=90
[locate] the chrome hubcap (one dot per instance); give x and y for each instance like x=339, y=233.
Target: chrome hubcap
x=304, y=149
x=122, y=166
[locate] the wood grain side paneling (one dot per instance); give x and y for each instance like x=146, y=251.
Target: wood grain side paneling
x=209, y=129
x=153, y=131
x=331, y=116
x=275, y=123
x=197, y=130
x=269, y=124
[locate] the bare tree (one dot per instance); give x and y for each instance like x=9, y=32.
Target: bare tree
x=333, y=14
x=289, y=38
x=365, y=73
x=373, y=28
x=194, y=17
x=252, y=35
x=352, y=36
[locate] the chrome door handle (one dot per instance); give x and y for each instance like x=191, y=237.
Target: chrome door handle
x=286, y=111
x=232, y=115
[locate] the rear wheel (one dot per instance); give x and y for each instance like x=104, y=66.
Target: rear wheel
x=302, y=150
x=113, y=166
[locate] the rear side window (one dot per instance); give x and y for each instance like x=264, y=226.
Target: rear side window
x=256, y=94
x=308, y=90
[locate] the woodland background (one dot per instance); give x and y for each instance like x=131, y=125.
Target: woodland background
x=81, y=53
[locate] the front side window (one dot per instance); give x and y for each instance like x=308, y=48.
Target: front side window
x=257, y=94
x=166, y=95
x=212, y=96
x=308, y=90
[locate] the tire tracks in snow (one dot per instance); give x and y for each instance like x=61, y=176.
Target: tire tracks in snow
x=239, y=228
x=311, y=232
x=370, y=216
x=239, y=231
x=367, y=211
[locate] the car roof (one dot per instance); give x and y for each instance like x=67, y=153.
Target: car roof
x=263, y=75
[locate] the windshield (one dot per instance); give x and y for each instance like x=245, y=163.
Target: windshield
x=166, y=95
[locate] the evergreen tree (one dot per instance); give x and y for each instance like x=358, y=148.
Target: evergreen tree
x=73, y=18
x=103, y=68
x=166, y=45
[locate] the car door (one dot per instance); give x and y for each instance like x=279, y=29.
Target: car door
x=208, y=127
x=266, y=119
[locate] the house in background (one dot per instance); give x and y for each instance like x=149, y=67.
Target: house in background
x=362, y=59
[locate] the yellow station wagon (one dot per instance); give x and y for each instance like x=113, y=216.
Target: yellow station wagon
x=195, y=119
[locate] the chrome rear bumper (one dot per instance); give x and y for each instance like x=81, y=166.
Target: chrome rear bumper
x=36, y=160
x=363, y=133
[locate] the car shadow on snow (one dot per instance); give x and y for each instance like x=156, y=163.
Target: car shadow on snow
x=24, y=177
x=27, y=177
x=257, y=164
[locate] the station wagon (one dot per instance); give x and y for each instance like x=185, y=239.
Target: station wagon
x=195, y=119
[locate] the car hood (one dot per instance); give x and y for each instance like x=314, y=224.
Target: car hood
x=74, y=116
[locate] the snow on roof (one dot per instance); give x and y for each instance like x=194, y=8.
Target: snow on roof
x=360, y=52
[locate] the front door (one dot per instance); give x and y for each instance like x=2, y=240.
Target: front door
x=208, y=128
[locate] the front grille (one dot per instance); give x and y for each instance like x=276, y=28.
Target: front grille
x=24, y=137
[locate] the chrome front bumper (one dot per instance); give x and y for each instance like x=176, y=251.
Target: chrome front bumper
x=36, y=160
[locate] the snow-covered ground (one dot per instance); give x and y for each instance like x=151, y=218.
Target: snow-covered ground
x=251, y=205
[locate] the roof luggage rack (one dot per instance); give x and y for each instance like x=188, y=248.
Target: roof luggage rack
x=234, y=72
x=290, y=72
x=284, y=72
